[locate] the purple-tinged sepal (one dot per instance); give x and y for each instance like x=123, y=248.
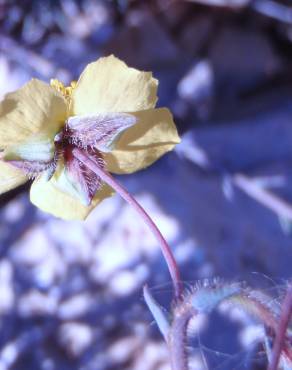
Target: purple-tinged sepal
x=80, y=181
x=100, y=131
x=33, y=156
x=33, y=169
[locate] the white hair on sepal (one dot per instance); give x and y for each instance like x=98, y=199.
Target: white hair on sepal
x=206, y=294
x=100, y=131
x=33, y=169
x=83, y=182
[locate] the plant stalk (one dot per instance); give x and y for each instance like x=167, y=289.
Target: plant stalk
x=282, y=329
x=108, y=179
x=177, y=339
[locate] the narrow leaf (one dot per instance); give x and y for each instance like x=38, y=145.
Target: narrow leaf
x=157, y=312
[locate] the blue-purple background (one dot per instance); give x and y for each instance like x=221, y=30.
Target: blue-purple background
x=71, y=292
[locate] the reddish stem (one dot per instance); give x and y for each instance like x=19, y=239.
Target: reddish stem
x=108, y=179
x=281, y=332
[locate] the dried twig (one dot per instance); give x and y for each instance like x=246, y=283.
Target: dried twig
x=235, y=4
x=198, y=155
x=16, y=52
x=273, y=10
x=263, y=196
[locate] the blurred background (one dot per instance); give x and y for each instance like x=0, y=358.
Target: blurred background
x=71, y=292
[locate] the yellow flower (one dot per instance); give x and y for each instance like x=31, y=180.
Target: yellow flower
x=35, y=120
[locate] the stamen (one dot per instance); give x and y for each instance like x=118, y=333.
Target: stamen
x=66, y=91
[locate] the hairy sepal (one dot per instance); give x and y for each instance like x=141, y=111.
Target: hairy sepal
x=84, y=183
x=206, y=297
x=38, y=149
x=32, y=157
x=34, y=168
x=100, y=131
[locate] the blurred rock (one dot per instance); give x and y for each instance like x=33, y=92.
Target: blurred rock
x=197, y=88
x=14, y=211
x=68, y=53
x=125, y=283
x=278, y=11
x=36, y=64
x=173, y=13
x=75, y=337
x=10, y=78
x=234, y=4
x=121, y=351
x=70, y=236
x=244, y=144
x=6, y=287
x=147, y=355
x=32, y=31
x=153, y=355
x=36, y=253
x=35, y=303
x=143, y=49
x=92, y=19
x=196, y=33
x=252, y=335
x=75, y=306
x=8, y=355
x=242, y=58
x=129, y=245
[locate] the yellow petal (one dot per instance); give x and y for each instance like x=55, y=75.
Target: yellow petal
x=152, y=136
x=109, y=85
x=34, y=108
x=45, y=195
x=10, y=177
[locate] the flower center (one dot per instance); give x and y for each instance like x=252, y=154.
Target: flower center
x=65, y=142
x=94, y=135
x=83, y=182
x=66, y=91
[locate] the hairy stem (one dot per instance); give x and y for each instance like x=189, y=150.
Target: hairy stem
x=108, y=179
x=177, y=339
x=282, y=329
